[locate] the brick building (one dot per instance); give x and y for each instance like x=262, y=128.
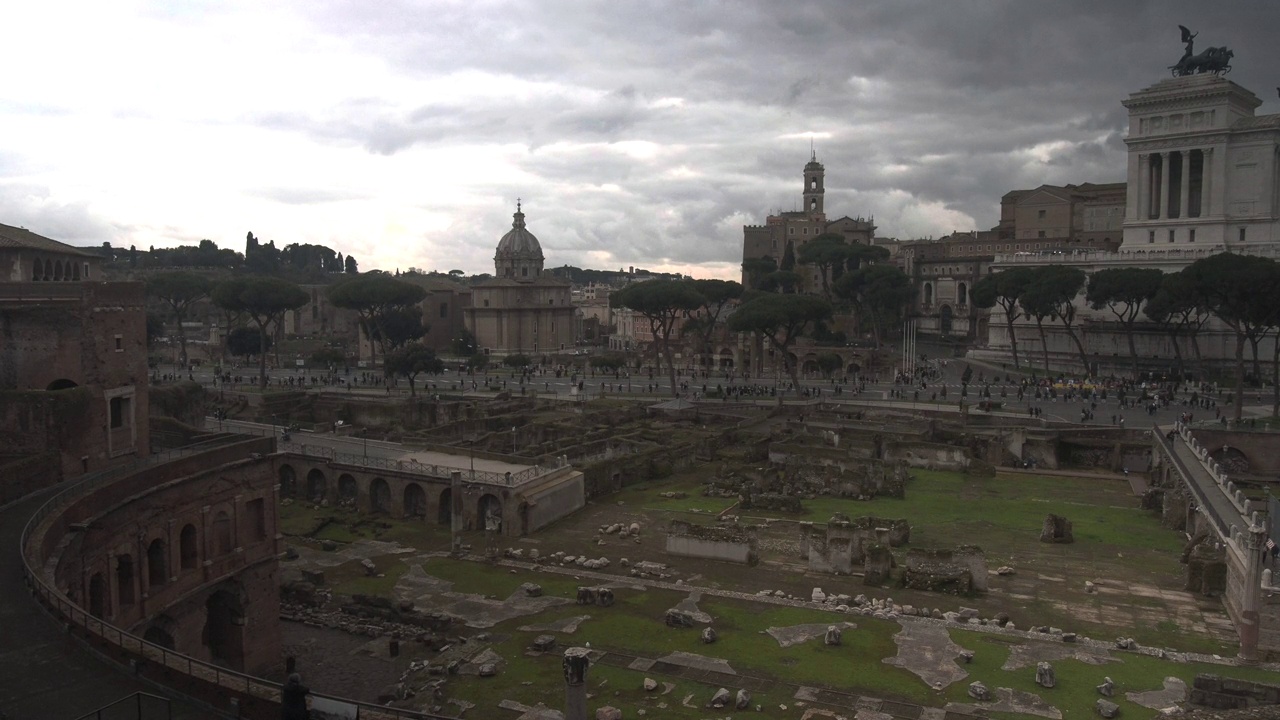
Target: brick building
x=73, y=362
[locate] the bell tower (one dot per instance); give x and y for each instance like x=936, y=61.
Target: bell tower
x=813, y=190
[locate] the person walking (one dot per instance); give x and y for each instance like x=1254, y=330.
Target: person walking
x=293, y=699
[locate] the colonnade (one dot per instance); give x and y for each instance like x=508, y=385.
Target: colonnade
x=1174, y=184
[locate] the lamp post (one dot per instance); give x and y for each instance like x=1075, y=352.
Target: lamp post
x=513, y=441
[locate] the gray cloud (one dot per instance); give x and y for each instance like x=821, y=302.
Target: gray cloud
x=924, y=113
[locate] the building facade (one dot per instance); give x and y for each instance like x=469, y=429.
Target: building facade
x=73, y=356
x=796, y=228
x=1203, y=179
x=521, y=310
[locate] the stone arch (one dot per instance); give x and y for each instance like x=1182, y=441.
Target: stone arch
x=221, y=533
x=852, y=368
x=160, y=632
x=945, y=316
x=316, y=485
x=61, y=384
x=928, y=293
x=57, y=271
x=486, y=505
x=415, y=501
x=75, y=271
x=962, y=294
x=48, y=270
x=157, y=563
x=348, y=489
x=379, y=496
x=97, y=595
x=188, y=547
x=444, y=511
x=223, y=633
x=288, y=481
x=124, y=580
x=1232, y=459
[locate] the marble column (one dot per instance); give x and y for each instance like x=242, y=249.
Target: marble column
x=1184, y=183
x=576, y=662
x=1164, y=186
x=1142, y=195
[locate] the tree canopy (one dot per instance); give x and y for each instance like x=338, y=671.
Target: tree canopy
x=825, y=252
x=178, y=291
x=781, y=319
x=1123, y=291
x=410, y=361
x=1004, y=288
x=264, y=300
x=662, y=303
x=374, y=296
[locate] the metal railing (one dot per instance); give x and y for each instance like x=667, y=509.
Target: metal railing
x=508, y=479
x=136, y=647
x=139, y=700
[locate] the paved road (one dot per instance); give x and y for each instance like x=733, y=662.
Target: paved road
x=1208, y=488
x=44, y=674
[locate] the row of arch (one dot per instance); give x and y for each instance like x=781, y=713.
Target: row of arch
x=55, y=270
x=414, y=502
x=962, y=294
x=157, y=565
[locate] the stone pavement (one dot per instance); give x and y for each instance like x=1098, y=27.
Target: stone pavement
x=44, y=674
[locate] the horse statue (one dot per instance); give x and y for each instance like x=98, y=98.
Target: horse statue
x=1216, y=60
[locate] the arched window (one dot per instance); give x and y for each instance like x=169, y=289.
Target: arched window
x=962, y=294
x=124, y=579
x=221, y=533
x=157, y=563
x=48, y=270
x=188, y=547
x=928, y=293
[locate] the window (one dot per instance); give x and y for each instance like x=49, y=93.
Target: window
x=1170, y=236
x=1241, y=234
x=1191, y=235
x=86, y=271
x=1040, y=234
x=120, y=414
x=1040, y=214
x=486, y=302
x=444, y=309
x=1151, y=236
x=791, y=231
x=119, y=343
x=257, y=518
x=524, y=272
x=804, y=231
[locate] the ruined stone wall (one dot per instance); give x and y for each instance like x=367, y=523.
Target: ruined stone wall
x=148, y=551
x=930, y=456
x=729, y=544
x=561, y=500
x=958, y=572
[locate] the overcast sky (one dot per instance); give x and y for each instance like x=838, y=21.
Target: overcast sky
x=641, y=134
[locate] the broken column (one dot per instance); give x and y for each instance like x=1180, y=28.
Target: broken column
x=576, y=662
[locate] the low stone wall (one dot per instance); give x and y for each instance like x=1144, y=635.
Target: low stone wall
x=730, y=544
x=561, y=499
x=1228, y=694
x=960, y=571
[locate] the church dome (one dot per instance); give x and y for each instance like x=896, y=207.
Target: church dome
x=519, y=243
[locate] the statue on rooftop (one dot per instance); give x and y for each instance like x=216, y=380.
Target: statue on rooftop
x=1216, y=60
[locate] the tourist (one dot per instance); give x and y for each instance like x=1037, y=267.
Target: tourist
x=293, y=699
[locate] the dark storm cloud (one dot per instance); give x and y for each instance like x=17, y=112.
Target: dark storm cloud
x=652, y=131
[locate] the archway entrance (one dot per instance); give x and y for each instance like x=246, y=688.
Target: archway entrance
x=348, y=490
x=61, y=384
x=316, y=485
x=288, y=482
x=379, y=496
x=489, y=513
x=224, y=628
x=415, y=501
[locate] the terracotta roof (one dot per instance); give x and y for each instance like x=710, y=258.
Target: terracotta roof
x=24, y=239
